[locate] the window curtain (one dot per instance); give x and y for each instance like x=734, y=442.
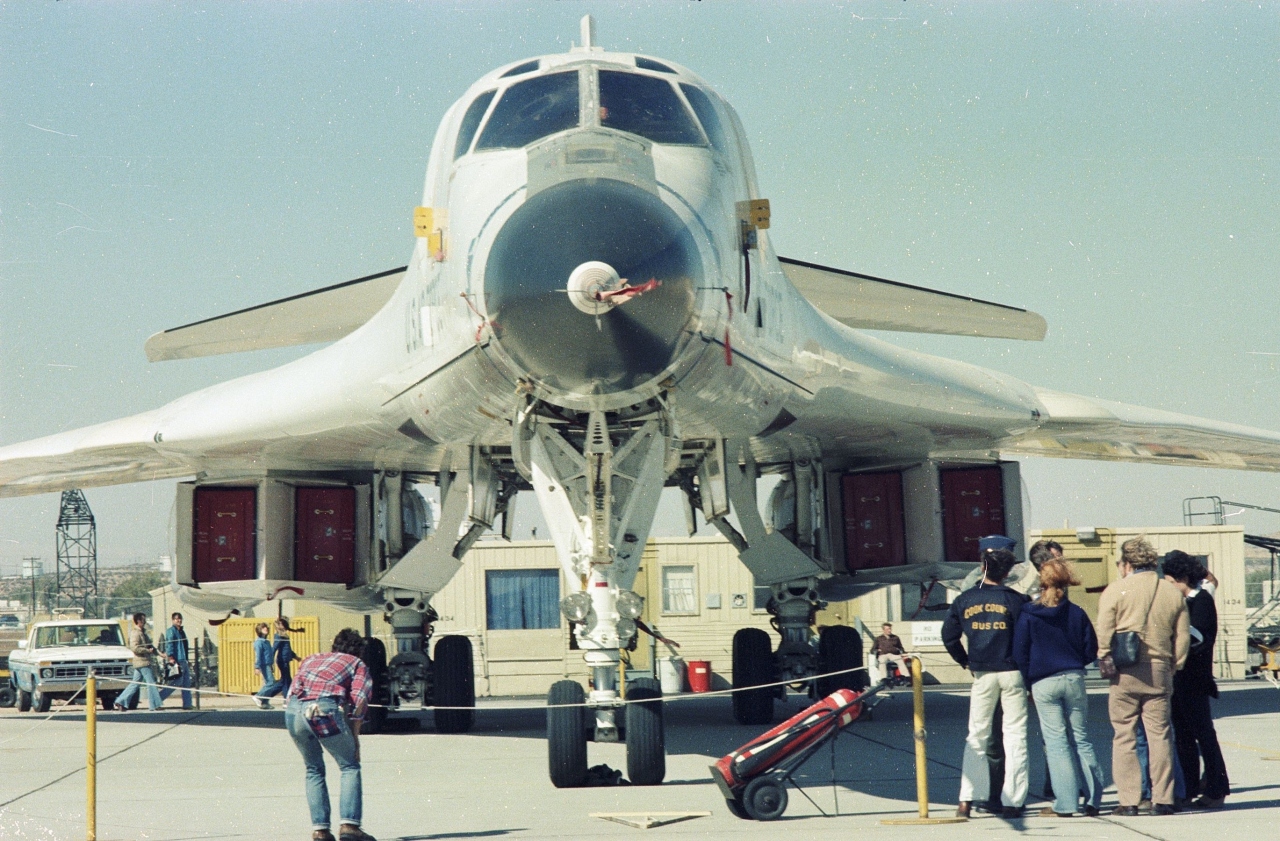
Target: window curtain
x=678, y=594
x=522, y=599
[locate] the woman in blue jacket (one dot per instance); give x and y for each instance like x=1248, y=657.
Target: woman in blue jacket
x=1053, y=641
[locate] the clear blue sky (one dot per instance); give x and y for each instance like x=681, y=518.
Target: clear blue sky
x=1111, y=166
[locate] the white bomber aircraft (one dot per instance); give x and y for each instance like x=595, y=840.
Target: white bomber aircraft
x=593, y=310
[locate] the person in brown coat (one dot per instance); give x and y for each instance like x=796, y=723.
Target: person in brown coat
x=1141, y=601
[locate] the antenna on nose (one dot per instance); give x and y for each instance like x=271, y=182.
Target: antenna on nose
x=588, y=28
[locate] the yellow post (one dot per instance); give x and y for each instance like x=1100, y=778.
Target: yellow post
x=91, y=756
x=920, y=736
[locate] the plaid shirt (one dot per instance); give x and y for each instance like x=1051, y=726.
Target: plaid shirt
x=333, y=675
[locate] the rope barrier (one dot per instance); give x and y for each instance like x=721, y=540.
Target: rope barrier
x=52, y=712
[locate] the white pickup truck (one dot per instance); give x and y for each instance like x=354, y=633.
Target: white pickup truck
x=55, y=658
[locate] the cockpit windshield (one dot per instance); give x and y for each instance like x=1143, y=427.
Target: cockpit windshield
x=531, y=110
x=647, y=106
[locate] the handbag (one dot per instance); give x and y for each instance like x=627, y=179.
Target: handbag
x=172, y=671
x=1125, y=645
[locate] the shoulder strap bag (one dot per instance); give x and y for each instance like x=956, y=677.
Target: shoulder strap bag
x=1125, y=644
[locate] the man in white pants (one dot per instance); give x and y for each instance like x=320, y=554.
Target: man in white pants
x=985, y=616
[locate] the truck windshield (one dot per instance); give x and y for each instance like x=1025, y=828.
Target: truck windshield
x=72, y=635
x=647, y=106
x=531, y=110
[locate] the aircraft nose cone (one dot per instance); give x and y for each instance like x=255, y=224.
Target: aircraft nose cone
x=552, y=260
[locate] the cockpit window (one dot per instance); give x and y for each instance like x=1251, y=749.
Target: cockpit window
x=706, y=115
x=646, y=106
x=649, y=64
x=471, y=122
x=531, y=110
x=527, y=67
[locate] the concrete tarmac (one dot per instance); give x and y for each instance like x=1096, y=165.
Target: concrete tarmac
x=231, y=772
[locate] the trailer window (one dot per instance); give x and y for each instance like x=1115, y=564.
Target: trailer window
x=531, y=110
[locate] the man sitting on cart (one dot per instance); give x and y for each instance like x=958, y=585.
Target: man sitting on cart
x=888, y=649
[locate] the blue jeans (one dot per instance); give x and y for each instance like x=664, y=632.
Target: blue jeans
x=1144, y=762
x=184, y=683
x=1061, y=702
x=140, y=676
x=342, y=747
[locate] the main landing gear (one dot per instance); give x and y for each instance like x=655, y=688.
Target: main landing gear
x=446, y=682
x=798, y=657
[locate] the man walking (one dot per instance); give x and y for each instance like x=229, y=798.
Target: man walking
x=175, y=650
x=985, y=616
x=1142, y=602
x=143, y=673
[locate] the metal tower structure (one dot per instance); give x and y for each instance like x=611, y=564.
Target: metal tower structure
x=77, y=553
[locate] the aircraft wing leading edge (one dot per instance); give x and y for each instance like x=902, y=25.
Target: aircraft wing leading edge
x=1075, y=426
x=872, y=303
x=323, y=315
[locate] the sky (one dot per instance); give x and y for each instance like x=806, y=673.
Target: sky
x=1111, y=166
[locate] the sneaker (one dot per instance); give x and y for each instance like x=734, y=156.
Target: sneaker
x=263, y=703
x=1125, y=812
x=1144, y=807
x=348, y=832
x=1047, y=812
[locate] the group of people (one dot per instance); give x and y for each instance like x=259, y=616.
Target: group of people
x=272, y=654
x=173, y=655
x=1154, y=641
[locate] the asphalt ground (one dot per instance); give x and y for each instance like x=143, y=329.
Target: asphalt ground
x=231, y=772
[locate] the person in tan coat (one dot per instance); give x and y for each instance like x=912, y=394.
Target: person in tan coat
x=1141, y=601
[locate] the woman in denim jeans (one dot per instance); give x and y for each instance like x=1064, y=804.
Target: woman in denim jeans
x=1052, y=643
x=323, y=713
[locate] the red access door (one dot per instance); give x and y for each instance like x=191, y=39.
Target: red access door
x=325, y=535
x=226, y=534
x=972, y=508
x=874, y=529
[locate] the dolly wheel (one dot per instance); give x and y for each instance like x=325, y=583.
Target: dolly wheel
x=735, y=809
x=764, y=799
x=567, y=734
x=646, y=742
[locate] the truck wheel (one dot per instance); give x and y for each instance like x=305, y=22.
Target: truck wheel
x=752, y=666
x=107, y=700
x=646, y=742
x=840, y=648
x=764, y=799
x=455, y=684
x=24, y=700
x=40, y=701
x=567, y=734
x=6, y=696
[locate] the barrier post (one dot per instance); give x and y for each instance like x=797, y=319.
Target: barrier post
x=920, y=735
x=91, y=756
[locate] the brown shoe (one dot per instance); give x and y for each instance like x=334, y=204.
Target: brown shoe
x=349, y=832
x=963, y=809
x=1047, y=812
x=322, y=835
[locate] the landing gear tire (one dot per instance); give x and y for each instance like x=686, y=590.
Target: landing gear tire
x=752, y=666
x=375, y=660
x=40, y=702
x=107, y=700
x=567, y=735
x=24, y=700
x=840, y=648
x=764, y=799
x=646, y=740
x=455, y=685
x=7, y=696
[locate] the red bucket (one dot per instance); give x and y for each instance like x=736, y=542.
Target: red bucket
x=699, y=675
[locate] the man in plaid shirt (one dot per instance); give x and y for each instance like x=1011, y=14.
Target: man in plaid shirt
x=325, y=707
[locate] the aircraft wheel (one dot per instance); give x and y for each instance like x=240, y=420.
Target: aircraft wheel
x=752, y=666
x=375, y=659
x=764, y=799
x=840, y=648
x=107, y=700
x=6, y=696
x=455, y=684
x=567, y=735
x=24, y=700
x=646, y=740
x=40, y=702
